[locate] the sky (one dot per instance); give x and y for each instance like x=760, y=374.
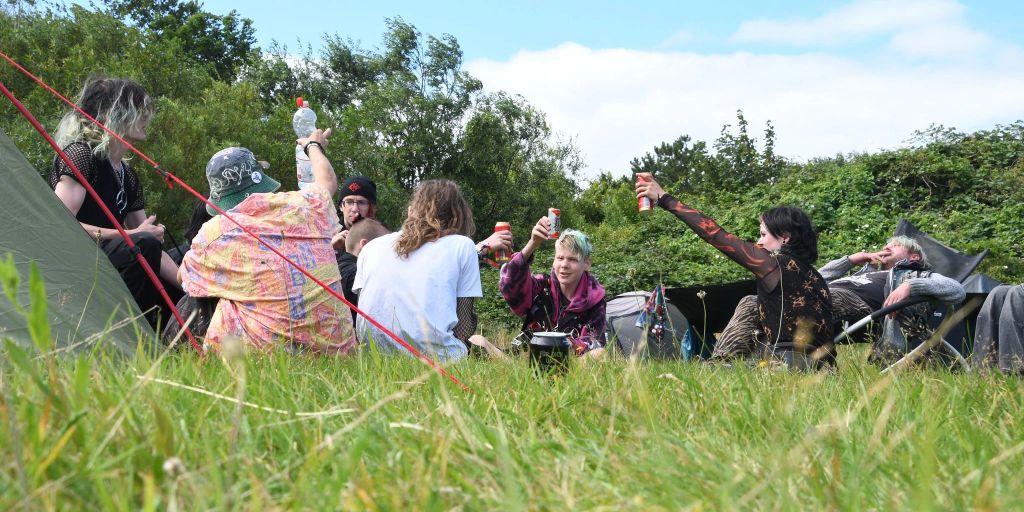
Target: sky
x=618, y=78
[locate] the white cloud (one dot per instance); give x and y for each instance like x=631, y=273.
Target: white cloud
x=941, y=41
x=621, y=103
x=676, y=40
x=855, y=21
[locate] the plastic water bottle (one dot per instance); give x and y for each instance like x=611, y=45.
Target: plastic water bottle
x=304, y=122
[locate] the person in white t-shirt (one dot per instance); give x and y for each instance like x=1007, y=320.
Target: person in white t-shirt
x=420, y=282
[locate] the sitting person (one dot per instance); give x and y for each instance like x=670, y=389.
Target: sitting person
x=125, y=108
x=421, y=282
x=359, y=235
x=1000, y=336
x=263, y=299
x=898, y=271
x=794, y=307
x=568, y=300
x=196, y=221
x=358, y=201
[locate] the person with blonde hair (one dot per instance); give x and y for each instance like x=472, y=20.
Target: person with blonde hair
x=125, y=108
x=569, y=299
x=362, y=232
x=421, y=281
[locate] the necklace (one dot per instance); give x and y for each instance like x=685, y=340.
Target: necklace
x=120, y=200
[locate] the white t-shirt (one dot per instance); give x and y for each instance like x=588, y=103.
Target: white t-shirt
x=415, y=297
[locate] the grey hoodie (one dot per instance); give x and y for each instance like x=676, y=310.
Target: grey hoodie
x=910, y=328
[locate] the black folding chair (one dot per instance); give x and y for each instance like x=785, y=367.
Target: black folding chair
x=946, y=261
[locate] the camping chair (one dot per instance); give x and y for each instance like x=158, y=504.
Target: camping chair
x=944, y=260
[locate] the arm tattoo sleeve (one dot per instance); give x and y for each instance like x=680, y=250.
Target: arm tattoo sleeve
x=755, y=259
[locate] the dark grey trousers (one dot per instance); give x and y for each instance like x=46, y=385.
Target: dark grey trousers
x=1000, y=337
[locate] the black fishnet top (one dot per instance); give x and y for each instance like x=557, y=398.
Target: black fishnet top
x=108, y=183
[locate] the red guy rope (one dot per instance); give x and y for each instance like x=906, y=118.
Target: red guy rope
x=117, y=225
x=168, y=176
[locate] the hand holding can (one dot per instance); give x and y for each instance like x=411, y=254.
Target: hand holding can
x=644, y=203
x=502, y=254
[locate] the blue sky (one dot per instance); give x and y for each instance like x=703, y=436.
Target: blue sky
x=497, y=30
x=618, y=78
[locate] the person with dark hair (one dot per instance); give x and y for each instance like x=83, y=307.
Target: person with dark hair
x=358, y=200
x=421, y=282
x=898, y=271
x=125, y=108
x=196, y=221
x=794, y=307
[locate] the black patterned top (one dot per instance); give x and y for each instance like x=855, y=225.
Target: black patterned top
x=795, y=308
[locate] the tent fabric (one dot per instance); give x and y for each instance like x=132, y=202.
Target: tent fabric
x=85, y=294
x=622, y=312
x=711, y=313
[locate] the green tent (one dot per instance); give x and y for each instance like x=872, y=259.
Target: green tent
x=85, y=295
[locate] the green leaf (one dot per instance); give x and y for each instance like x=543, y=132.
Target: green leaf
x=10, y=279
x=164, y=431
x=38, y=323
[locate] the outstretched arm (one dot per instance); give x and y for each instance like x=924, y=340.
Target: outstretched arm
x=752, y=257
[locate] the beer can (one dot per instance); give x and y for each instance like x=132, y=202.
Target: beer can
x=502, y=255
x=644, y=204
x=554, y=216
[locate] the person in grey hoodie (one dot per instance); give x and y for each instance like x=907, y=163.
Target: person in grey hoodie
x=897, y=272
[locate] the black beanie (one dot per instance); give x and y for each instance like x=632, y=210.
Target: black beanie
x=359, y=186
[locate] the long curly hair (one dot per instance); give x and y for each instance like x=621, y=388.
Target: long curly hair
x=437, y=209
x=118, y=103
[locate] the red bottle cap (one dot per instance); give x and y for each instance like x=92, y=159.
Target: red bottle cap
x=298, y=101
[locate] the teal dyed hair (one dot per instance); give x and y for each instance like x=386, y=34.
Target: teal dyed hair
x=576, y=242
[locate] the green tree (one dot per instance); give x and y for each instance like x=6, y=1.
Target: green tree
x=223, y=43
x=509, y=167
x=735, y=162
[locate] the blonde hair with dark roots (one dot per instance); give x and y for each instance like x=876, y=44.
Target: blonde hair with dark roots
x=118, y=103
x=437, y=209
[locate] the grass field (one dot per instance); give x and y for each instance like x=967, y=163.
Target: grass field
x=267, y=432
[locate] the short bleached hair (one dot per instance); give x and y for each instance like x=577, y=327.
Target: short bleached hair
x=912, y=246
x=576, y=242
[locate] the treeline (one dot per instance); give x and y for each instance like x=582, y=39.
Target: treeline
x=407, y=111
x=404, y=112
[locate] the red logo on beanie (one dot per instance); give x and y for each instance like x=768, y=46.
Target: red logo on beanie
x=354, y=187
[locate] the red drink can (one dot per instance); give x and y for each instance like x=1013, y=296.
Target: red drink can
x=554, y=215
x=502, y=255
x=644, y=204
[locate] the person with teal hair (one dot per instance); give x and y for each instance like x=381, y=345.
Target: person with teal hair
x=568, y=300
